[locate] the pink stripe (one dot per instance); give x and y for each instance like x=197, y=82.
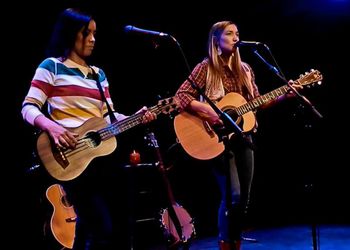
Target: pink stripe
x=69, y=90
x=45, y=87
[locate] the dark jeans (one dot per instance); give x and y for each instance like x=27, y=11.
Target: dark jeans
x=234, y=173
x=91, y=194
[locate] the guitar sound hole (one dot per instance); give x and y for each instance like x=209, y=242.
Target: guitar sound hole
x=233, y=114
x=94, y=139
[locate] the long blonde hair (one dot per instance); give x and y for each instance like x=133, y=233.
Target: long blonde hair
x=239, y=69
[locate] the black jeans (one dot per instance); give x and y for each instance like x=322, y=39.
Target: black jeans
x=234, y=171
x=91, y=194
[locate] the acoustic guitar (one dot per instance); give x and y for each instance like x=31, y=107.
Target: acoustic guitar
x=63, y=218
x=201, y=141
x=96, y=138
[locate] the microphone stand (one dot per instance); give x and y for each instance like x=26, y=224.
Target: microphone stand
x=304, y=100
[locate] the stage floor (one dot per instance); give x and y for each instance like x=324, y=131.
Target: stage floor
x=296, y=237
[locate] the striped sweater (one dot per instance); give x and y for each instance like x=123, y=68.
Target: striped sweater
x=71, y=93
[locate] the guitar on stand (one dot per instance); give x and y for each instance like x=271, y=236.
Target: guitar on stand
x=176, y=222
x=63, y=218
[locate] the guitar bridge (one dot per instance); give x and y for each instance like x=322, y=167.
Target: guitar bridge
x=60, y=157
x=208, y=128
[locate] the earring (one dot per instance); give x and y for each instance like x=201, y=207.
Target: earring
x=219, y=51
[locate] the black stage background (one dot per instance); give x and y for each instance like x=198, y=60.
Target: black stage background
x=294, y=148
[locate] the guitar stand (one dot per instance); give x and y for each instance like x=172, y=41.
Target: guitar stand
x=252, y=240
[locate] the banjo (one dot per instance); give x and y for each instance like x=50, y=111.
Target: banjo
x=175, y=220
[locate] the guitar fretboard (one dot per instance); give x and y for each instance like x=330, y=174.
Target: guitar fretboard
x=120, y=126
x=255, y=103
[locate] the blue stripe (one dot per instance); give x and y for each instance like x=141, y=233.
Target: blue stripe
x=64, y=70
x=102, y=75
x=48, y=64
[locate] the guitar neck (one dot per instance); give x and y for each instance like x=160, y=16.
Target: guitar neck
x=167, y=185
x=263, y=99
x=162, y=168
x=120, y=126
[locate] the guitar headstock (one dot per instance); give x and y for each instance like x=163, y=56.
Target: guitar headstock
x=151, y=140
x=310, y=78
x=168, y=106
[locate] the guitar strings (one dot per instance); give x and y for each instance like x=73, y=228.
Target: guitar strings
x=82, y=145
x=128, y=122
x=111, y=130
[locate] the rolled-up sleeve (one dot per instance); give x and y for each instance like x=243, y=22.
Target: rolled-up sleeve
x=187, y=93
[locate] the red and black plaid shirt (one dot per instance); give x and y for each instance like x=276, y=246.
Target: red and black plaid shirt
x=186, y=93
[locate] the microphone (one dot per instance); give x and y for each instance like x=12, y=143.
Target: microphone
x=248, y=44
x=130, y=28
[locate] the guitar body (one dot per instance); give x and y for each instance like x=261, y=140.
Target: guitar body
x=71, y=163
x=198, y=139
x=63, y=219
x=185, y=221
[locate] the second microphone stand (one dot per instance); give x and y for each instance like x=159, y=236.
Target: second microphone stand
x=304, y=100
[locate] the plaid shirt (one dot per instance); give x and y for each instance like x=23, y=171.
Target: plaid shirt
x=186, y=93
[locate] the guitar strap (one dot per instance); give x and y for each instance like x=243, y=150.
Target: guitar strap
x=110, y=111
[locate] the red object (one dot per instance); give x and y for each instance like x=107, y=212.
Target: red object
x=135, y=158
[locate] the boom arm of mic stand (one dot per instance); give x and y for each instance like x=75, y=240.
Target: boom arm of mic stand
x=305, y=100
x=276, y=71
